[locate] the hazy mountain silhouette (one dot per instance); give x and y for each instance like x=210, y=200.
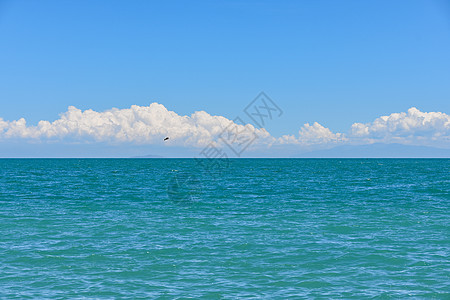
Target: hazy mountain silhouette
x=380, y=150
x=148, y=156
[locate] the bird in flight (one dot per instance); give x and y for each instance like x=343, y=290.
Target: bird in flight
x=165, y=139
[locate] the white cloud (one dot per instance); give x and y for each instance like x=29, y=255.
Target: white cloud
x=3, y=125
x=313, y=135
x=150, y=124
x=317, y=134
x=412, y=126
x=138, y=124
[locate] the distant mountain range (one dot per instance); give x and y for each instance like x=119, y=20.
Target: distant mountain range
x=379, y=150
x=148, y=156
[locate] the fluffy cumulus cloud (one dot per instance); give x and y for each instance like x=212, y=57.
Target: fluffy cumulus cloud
x=413, y=126
x=138, y=124
x=313, y=135
x=150, y=124
x=318, y=134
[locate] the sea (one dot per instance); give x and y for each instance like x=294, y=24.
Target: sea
x=224, y=228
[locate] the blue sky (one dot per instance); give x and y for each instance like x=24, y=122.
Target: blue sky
x=332, y=62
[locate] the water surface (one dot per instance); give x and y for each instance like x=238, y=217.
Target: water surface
x=261, y=228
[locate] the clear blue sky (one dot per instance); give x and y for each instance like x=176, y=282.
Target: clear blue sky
x=334, y=62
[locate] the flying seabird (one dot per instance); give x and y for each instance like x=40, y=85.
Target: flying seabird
x=165, y=139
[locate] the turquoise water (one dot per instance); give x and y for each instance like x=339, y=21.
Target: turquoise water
x=257, y=228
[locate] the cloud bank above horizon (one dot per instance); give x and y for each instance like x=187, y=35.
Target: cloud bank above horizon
x=150, y=124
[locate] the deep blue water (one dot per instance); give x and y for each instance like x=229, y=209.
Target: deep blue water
x=254, y=228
